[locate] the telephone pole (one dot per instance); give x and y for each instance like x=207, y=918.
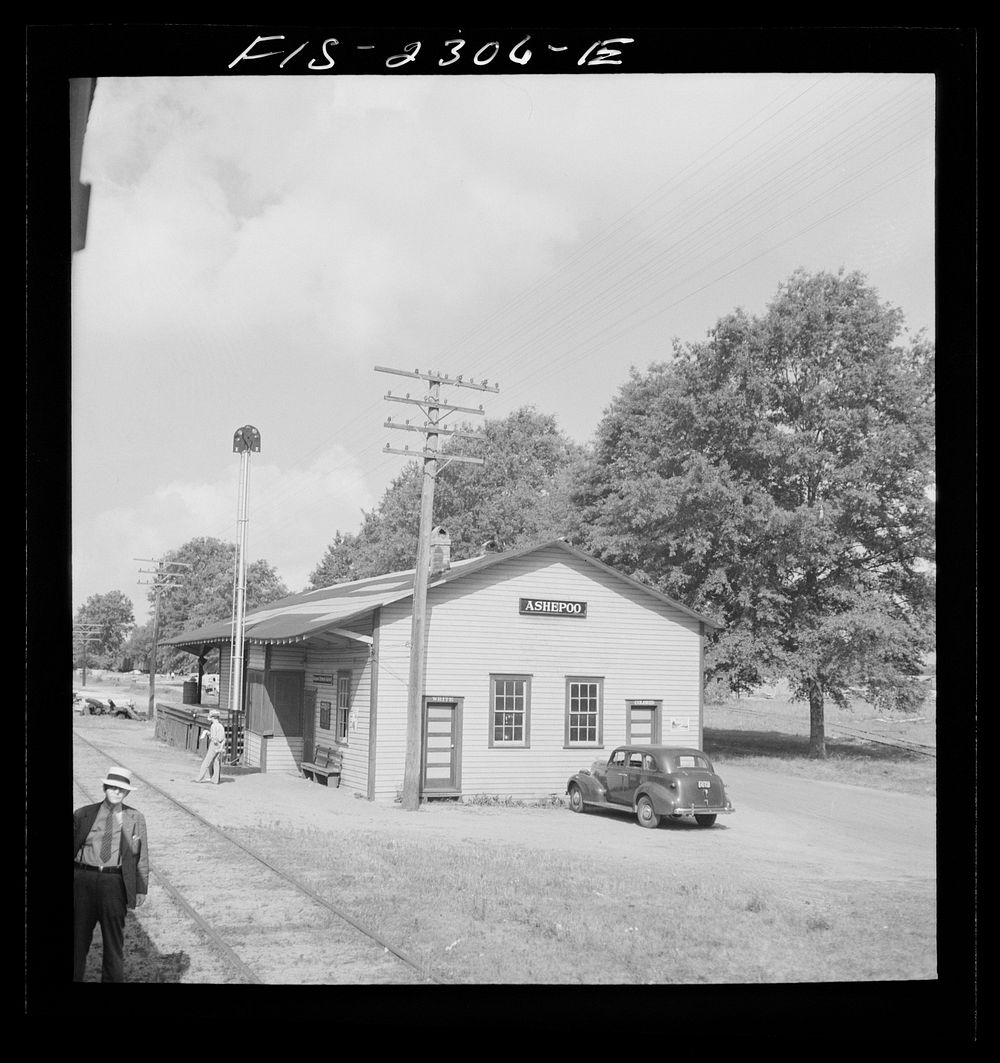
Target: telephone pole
x=163, y=579
x=86, y=633
x=435, y=411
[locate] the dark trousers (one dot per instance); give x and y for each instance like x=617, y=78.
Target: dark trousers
x=99, y=898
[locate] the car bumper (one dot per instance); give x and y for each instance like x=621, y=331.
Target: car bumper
x=700, y=810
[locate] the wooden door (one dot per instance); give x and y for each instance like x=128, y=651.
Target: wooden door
x=442, y=771
x=643, y=723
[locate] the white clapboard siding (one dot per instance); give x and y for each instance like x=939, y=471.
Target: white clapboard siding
x=288, y=658
x=322, y=664
x=642, y=649
x=283, y=754
x=393, y=682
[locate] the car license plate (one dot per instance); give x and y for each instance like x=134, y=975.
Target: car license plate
x=704, y=784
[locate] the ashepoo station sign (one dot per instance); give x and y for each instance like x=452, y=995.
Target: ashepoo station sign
x=551, y=607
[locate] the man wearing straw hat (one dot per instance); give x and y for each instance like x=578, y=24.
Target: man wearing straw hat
x=216, y=735
x=110, y=873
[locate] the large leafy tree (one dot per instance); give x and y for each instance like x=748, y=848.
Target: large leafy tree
x=203, y=590
x=138, y=646
x=779, y=475
x=520, y=495
x=101, y=626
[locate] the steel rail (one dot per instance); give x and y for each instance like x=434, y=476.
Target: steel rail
x=298, y=885
x=215, y=938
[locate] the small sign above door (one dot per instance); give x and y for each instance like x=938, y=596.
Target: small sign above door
x=550, y=607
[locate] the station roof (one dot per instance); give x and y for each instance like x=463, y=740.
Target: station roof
x=301, y=616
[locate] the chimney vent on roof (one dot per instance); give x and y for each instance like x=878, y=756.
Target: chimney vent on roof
x=440, y=551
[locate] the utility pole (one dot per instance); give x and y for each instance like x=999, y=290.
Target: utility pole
x=435, y=411
x=245, y=441
x=86, y=633
x=163, y=579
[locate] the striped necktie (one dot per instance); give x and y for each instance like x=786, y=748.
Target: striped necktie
x=109, y=830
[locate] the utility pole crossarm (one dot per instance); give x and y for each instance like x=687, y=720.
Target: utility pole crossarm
x=429, y=401
x=443, y=378
x=425, y=428
x=431, y=454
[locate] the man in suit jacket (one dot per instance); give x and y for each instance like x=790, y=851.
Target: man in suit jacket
x=110, y=873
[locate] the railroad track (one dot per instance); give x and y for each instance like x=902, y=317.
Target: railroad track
x=237, y=912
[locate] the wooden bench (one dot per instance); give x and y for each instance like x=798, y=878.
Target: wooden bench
x=325, y=765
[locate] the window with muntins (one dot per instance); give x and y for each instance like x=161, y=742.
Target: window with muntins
x=510, y=710
x=584, y=711
x=343, y=706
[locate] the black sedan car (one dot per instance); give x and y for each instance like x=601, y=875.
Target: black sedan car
x=652, y=782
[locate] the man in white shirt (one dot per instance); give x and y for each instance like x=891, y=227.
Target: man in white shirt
x=216, y=747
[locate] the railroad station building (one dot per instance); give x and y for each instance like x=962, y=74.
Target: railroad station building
x=539, y=661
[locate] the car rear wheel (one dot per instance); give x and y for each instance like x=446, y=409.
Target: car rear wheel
x=575, y=799
x=646, y=814
x=706, y=819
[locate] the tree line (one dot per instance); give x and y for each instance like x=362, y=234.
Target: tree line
x=777, y=475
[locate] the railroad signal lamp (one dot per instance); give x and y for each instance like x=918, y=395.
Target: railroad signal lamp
x=246, y=438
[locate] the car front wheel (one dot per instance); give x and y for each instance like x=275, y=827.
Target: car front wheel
x=706, y=819
x=646, y=814
x=575, y=799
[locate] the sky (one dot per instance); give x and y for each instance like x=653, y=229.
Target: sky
x=256, y=246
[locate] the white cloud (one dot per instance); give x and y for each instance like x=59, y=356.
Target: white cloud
x=292, y=518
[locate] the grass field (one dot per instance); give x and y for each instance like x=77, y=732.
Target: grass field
x=482, y=915
x=865, y=746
